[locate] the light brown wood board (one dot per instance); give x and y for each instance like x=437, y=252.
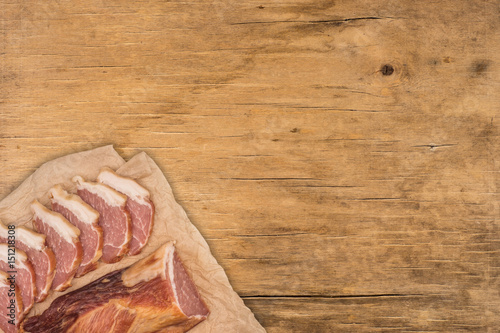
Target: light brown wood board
x=340, y=157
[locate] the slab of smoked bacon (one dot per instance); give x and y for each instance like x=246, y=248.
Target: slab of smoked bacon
x=154, y=295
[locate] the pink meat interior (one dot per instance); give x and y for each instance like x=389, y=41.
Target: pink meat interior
x=64, y=252
x=4, y=303
x=188, y=297
x=89, y=237
x=113, y=221
x=141, y=216
x=23, y=281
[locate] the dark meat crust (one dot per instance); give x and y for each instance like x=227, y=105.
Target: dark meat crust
x=77, y=303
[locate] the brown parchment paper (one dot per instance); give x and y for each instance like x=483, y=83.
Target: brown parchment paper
x=228, y=313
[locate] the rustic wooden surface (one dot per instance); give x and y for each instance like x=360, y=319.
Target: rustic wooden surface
x=340, y=157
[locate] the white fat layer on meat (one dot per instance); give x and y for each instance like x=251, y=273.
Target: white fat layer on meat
x=112, y=197
x=56, y=221
x=125, y=185
x=151, y=266
x=20, y=255
x=75, y=204
x=25, y=235
x=127, y=239
x=170, y=266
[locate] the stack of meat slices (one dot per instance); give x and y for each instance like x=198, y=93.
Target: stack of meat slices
x=29, y=267
x=40, y=256
x=86, y=219
x=139, y=206
x=11, y=303
x=103, y=221
x=19, y=265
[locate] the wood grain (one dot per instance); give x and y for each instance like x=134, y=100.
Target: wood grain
x=338, y=194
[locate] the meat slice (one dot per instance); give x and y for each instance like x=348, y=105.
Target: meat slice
x=114, y=218
x=139, y=205
x=23, y=271
x=63, y=238
x=155, y=294
x=85, y=218
x=11, y=304
x=39, y=255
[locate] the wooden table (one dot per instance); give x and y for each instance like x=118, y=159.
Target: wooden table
x=340, y=157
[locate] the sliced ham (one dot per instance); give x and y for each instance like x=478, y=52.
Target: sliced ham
x=85, y=218
x=114, y=218
x=22, y=269
x=154, y=295
x=63, y=238
x=11, y=304
x=39, y=254
x=139, y=205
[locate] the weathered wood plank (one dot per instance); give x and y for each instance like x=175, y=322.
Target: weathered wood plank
x=380, y=313
x=324, y=148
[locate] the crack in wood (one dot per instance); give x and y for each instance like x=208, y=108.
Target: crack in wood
x=434, y=146
x=338, y=21
x=374, y=199
x=329, y=186
x=276, y=235
x=330, y=296
x=270, y=178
